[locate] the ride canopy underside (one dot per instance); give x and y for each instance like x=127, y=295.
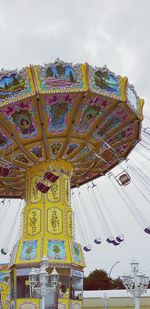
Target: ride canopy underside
x=77, y=113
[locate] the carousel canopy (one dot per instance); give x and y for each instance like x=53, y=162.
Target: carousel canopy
x=79, y=113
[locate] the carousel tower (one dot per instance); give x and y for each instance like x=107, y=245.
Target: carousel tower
x=61, y=125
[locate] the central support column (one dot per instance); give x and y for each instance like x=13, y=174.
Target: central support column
x=48, y=229
x=47, y=219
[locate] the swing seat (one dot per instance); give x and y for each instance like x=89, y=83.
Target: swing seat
x=115, y=243
x=147, y=230
x=87, y=248
x=120, y=238
x=123, y=179
x=109, y=240
x=4, y=251
x=4, y=171
x=97, y=241
x=50, y=177
x=42, y=187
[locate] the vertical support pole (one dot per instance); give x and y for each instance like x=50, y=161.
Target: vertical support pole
x=137, y=303
x=43, y=302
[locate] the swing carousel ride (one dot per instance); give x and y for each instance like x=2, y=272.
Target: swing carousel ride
x=61, y=126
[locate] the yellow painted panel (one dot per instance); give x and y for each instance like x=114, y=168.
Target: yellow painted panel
x=63, y=303
x=35, y=195
x=54, y=193
x=33, y=221
x=28, y=303
x=69, y=223
x=54, y=220
x=123, y=83
x=66, y=185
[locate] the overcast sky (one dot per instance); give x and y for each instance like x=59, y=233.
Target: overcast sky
x=111, y=32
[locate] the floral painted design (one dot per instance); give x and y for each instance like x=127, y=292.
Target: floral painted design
x=29, y=250
x=56, y=249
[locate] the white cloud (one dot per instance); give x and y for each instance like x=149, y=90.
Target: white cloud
x=115, y=33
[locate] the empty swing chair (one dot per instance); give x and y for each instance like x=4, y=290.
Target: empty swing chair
x=120, y=238
x=87, y=248
x=4, y=251
x=115, y=243
x=97, y=241
x=147, y=230
x=109, y=240
x=123, y=178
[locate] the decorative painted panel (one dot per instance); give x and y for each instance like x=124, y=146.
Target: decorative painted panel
x=70, y=149
x=55, y=192
x=76, y=253
x=56, y=249
x=28, y=303
x=29, y=250
x=92, y=107
x=21, y=157
x=4, y=278
x=69, y=223
x=112, y=122
x=37, y=151
x=60, y=76
x=67, y=189
x=54, y=149
x=54, y=220
x=34, y=221
x=5, y=141
x=58, y=108
x=22, y=116
x=35, y=195
x=14, y=84
x=104, y=81
x=126, y=133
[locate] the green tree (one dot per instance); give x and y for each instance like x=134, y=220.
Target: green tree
x=97, y=280
x=117, y=284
